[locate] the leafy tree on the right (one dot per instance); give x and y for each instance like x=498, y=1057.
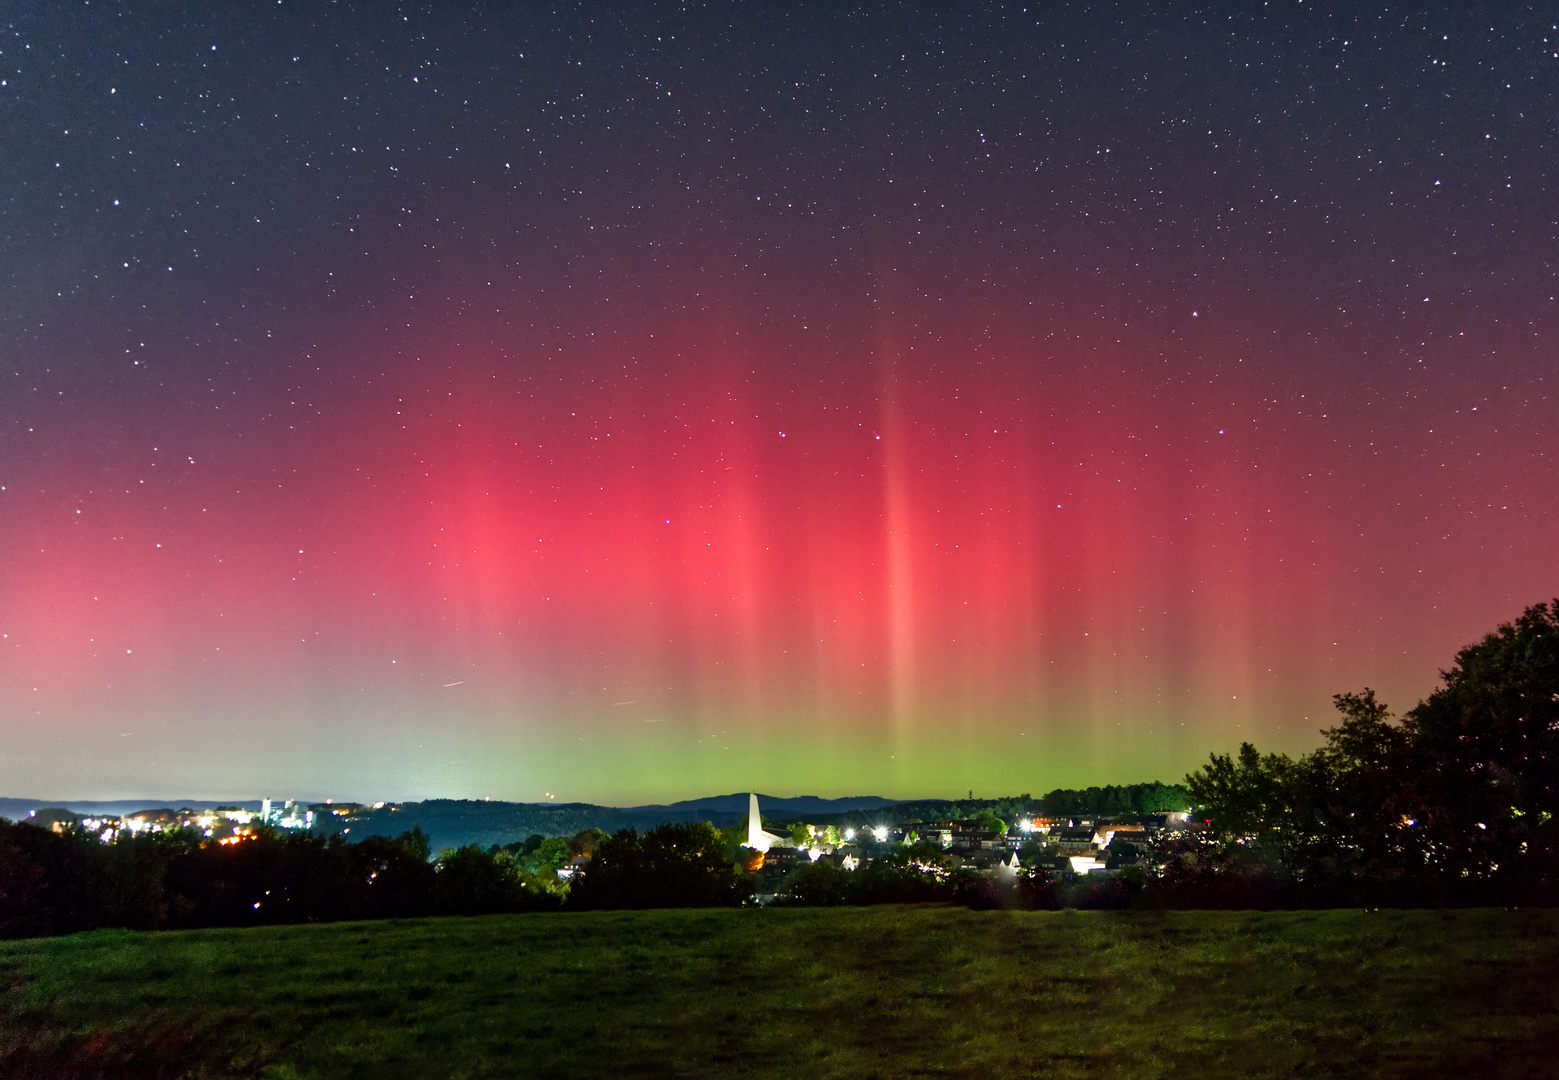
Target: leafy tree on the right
x=1456, y=802
x=1486, y=750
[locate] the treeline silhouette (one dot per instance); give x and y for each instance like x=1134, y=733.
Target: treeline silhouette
x=59, y=884
x=1113, y=800
x=1110, y=800
x=1455, y=803
x=62, y=883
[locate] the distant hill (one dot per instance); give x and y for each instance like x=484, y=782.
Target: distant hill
x=457, y=822
x=17, y=809
x=770, y=804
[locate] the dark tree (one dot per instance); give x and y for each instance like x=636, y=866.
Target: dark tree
x=1244, y=795
x=677, y=865
x=815, y=884
x=989, y=822
x=471, y=881
x=49, y=884
x=1486, y=745
x=900, y=877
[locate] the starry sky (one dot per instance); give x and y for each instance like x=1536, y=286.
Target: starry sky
x=632, y=402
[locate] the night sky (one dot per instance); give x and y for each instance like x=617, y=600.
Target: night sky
x=636, y=402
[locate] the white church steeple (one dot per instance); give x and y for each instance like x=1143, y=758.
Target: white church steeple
x=757, y=839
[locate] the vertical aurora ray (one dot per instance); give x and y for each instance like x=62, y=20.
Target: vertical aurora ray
x=898, y=546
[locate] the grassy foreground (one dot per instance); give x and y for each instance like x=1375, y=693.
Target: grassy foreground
x=884, y=992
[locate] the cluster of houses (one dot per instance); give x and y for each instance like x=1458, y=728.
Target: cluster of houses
x=225, y=824
x=1072, y=845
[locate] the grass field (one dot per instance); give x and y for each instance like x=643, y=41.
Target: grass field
x=884, y=992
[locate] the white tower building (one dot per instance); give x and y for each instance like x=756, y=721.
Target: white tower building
x=757, y=839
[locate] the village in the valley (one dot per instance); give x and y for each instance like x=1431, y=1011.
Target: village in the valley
x=771, y=851
x=984, y=844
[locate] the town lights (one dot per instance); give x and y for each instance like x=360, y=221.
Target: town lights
x=1026, y=825
x=849, y=834
x=880, y=832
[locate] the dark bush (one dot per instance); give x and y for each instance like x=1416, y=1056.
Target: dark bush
x=61, y=884
x=471, y=881
x=49, y=884
x=1205, y=872
x=815, y=884
x=899, y=877
x=978, y=892
x=668, y=866
x=1033, y=891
